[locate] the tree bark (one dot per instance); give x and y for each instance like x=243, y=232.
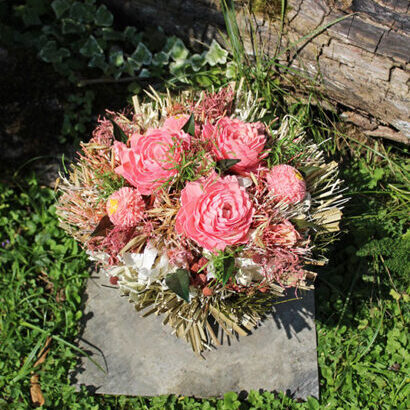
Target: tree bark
x=363, y=61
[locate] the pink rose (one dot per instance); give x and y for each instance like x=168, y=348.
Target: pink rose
x=215, y=212
x=235, y=139
x=286, y=183
x=152, y=159
x=283, y=234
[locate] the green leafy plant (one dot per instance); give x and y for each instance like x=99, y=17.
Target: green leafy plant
x=84, y=45
x=77, y=114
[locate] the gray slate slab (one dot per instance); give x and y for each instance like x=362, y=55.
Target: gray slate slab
x=141, y=356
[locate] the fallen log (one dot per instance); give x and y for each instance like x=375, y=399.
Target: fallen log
x=363, y=61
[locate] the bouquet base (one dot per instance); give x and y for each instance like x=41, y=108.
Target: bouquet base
x=141, y=357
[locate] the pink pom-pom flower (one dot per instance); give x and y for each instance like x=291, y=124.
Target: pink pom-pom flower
x=125, y=207
x=286, y=183
x=283, y=234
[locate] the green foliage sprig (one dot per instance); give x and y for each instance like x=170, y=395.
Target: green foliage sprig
x=107, y=183
x=224, y=264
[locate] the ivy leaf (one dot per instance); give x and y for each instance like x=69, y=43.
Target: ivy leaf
x=60, y=7
x=91, y=47
x=48, y=32
x=138, y=58
x=178, y=282
x=229, y=269
x=160, y=59
x=69, y=26
x=98, y=61
x=51, y=54
x=131, y=35
x=224, y=164
x=83, y=13
x=141, y=55
x=216, y=54
x=116, y=57
x=30, y=17
x=103, y=227
x=189, y=126
x=119, y=134
x=176, y=49
x=178, y=70
x=144, y=74
x=110, y=34
x=197, y=61
x=132, y=66
x=103, y=17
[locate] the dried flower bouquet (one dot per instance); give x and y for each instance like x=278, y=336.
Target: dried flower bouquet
x=203, y=209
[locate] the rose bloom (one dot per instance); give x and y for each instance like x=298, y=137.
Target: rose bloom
x=215, y=212
x=283, y=234
x=125, y=207
x=152, y=159
x=286, y=183
x=234, y=139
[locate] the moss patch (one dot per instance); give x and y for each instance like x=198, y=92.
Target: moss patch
x=268, y=8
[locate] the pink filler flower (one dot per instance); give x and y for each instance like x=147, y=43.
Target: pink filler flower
x=234, y=139
x=283, y=234
x=125, y=207
x=152, y=159
x=215, y=212
x=176, y=122
x=286, y=183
